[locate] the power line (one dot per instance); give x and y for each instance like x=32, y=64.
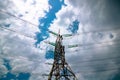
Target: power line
x=102, y=30
x=92, y=65
x=94, y=31
x=3, y=11
x=36, y=25
x=85, y=71
x=89, y=44
x=31, y=37
x=80, y=61
x=93, y=60
x=96, y=71
x=84, y=61
x=102, y=59
x=17, y=32
x=75, y=50
x=98, y=47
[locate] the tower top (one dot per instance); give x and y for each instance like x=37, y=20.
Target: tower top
x=60, y=68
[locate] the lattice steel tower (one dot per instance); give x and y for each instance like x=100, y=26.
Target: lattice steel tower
x=60, y=68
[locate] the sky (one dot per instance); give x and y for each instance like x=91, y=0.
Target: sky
x=25, y=25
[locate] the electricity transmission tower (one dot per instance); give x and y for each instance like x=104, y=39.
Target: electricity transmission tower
x=60, y=68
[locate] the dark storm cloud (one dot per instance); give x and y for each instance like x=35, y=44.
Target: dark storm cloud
x=112, y=11
x=4, y=18
x=5, y=5
x=103, y=12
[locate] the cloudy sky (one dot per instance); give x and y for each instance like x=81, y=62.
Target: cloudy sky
x=24, y=25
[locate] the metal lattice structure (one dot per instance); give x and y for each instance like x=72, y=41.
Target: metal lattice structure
x=60, y=68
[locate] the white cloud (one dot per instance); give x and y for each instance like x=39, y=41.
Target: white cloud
x=25, y=57
x=20, y=50
x=91, y=16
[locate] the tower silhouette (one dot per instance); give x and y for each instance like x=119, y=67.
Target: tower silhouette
x=60, y=68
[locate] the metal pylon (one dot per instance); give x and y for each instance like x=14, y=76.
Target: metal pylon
x=60, y=68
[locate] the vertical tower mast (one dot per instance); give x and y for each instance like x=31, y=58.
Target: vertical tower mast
x=60, y=69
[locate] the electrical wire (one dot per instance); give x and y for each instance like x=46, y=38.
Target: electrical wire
x=75, y=50
x=90, y=44
x=95, y=60
x=87, y=48
x=28, y=36
x=3, y=11
x=91, y=61
x=93, y=64
x=102, y=30
x=37, y=26
x=80, y=61
x=102, y=59
x=86, y=71
x=96, y=71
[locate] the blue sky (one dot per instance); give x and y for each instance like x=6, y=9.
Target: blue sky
x=23, y=57
x=48, y=19
x=73, y=27
x=9, y=75
x=22, y=76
